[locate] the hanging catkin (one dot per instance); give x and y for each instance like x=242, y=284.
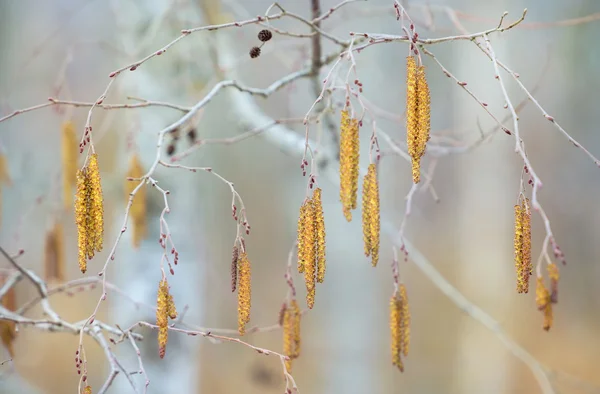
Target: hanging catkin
x=69, y=151
x=349, y=160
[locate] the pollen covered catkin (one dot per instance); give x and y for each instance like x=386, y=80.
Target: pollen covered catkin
x=291, y=333
x=89, y=212
x=69, y=151
x=244, y=292
x=544, y=303
x=320, y=235
x=399, y=326
x=418, y=117
x=137, y=212
x=309, y=253
x=349, y=160
x=371, y=215
x=162, y=316
x=522, y=245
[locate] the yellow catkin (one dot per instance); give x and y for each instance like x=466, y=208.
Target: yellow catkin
x=69, y=152
x=404, y=320
x=423, y=112
x=366, y=212
x=349, y=160
x=291, y=333
x=527, y=265
x=8, y=332
x=87, y=390
x=320, y=234
x=137, y=212
x=54, y=254
x=554, y=275
x=244, y=292
x=162, y=315
x=543, y=302
x=301, y=220
x=396, y=340
x=309, y=253
x=374, y=218
x=96, y=203
x=412, y=117
x=522, y=245
x=81, y=218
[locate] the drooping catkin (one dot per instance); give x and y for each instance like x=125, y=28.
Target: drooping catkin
x=320, y=234
x=349, y=160
x=522, y=245
x=137, y=212
x=301, y=247
x=544, y=303
x=396, y=339
x=366, y=214
x=291, y=333
x=89, y=212
x=244, y=292
x=418, y=116
x=309, y=253
x=54, y=254
x=8, y=332
x=69, y=151
x=235, y=253
x=162, y=316
x=404, y=320
x=87, y=390
x=554, y=275
x=374, y=215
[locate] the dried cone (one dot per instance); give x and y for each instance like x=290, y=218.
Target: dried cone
x=522, y=245
x=349, y=160
x=8, y=332
x=371, y=217
x=137, y=212
x=69, y=151
x=54, y=254
x=320, y=234
x=544, y=303
x=244, y=292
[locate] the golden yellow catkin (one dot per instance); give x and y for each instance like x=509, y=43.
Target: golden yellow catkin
x=137, y=212
x=81, y=218
x=291, y=333
x=554, y=275
x=309, y=253
x=96, y=203
x=69, y=151
x=522, y=245
x=162, y=315
x=244, y=292
x=54, y=254
x=396, y=339
x=423, y=110
x=366, y=212
x=349, y=160
x=412, y=117
x=320, y=234
x=543, y=302
x=301, y=246
x=371, y=217
x=404, y=320
x=87, y=390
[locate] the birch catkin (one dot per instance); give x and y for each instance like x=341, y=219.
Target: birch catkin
x=522, y=245
x=291, y=333
x=54, y=254
x=162, y=315
x=69, y=152
x=244, y=292
x=320, y=235
x=418, y=108
x=349, y=160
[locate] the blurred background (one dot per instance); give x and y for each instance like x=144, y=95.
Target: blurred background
x=67, y=48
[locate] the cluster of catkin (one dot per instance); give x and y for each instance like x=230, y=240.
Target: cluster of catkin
x=290, y=321
x=69, y=149
x=54, y=254
x=349, y=159
x=165, y=309
x=8, y=330
x=241, y=279
x=522, y=244
x=311, y=244
x=544, y=298
x=137, y=212
x=89, y=212
x=418, y=106
x=399, y=326
x=370, y=214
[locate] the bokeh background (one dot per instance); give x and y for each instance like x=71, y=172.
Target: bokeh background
x=66, y=49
